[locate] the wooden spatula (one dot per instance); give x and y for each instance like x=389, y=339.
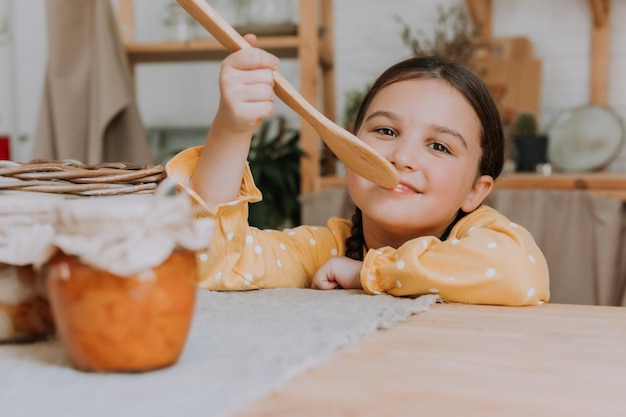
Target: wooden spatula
x=357, y=155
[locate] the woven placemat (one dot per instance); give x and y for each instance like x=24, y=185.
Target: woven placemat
x=74, y=177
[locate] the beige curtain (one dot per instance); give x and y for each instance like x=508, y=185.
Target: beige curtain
x=582, y=237
x=88, y=110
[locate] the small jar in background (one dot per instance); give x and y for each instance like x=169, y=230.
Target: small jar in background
x=268, y=17
x=26, y=235
x=233, y=11
x=122, y=286
x=544, y=169
x=179, y=25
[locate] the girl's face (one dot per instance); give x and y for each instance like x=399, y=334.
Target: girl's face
x=431, y=135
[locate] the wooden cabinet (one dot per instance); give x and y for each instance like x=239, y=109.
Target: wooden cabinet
x=312, y=46
x=602, y=184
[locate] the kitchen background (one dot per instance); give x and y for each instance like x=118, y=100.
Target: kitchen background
x=367, y=40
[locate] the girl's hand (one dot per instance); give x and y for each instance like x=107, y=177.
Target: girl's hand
x=246, y=86
x=246, y=97
x=338, y=272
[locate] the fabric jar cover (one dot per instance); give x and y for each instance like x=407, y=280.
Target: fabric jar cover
x=27, y=228
x=128, y=234
x=26, y=243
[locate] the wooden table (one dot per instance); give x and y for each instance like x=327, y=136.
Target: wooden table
x=468, y=360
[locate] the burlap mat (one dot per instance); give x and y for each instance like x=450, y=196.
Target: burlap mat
x=242, y=346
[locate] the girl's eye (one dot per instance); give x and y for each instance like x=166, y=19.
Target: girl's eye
x=439, y=147
x=386, y=131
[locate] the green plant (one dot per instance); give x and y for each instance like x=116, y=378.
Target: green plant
x=525, y=124
x=274, y=160
x=453, y=37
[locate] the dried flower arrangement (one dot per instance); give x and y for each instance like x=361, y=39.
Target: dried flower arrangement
x=454, y=35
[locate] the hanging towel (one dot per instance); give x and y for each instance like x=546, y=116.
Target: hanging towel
x=88, y=110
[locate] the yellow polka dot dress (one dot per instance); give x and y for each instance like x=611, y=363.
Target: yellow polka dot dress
x=486, y=259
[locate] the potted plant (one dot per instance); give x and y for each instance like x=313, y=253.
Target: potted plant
x=274, y=160
x=530, y=146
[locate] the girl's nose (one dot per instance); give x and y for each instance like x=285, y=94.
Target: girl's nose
x=403, y=155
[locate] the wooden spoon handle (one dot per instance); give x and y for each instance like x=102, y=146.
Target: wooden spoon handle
x=213, y=22
x=225, y=34
x=354, y=153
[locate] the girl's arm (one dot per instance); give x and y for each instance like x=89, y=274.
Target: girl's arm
x=486, y=260
x=246, y=98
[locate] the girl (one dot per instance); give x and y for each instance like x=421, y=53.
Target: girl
x=436, y=122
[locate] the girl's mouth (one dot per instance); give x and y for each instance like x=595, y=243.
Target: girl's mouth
x=404, y=189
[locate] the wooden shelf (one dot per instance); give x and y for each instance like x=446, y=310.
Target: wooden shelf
x=201, y=50
x=600, y=184
x=312, y=46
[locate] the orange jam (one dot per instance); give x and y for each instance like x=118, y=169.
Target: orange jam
x=24, y=310
x=112, y=323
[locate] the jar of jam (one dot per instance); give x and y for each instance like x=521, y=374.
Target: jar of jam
x=122, y=286
x=26, y=236
x=24, y=309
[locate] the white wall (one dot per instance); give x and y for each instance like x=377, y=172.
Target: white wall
x=27, y=22
x=367, y=40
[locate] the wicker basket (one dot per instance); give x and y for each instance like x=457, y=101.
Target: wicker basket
x=74, y=177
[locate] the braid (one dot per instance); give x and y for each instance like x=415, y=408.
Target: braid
x=354, y=244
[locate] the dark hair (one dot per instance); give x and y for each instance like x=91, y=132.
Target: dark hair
x=466, y=82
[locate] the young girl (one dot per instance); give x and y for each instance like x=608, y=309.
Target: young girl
x=437, y=124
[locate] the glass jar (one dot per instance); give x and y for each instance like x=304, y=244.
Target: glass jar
x=24, y=309
x=233, y=12
x=122, y=285
x=180, y=26
x=26, y=235
x=112, y=323
x=268, y=17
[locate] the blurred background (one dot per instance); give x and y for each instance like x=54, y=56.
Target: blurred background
x=179, y=98
x=557, y=70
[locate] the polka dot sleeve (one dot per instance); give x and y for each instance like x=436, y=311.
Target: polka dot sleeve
x=180, y=168
x=486, y=260
x=241, y=257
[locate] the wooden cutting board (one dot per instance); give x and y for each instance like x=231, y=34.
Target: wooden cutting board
x=512, y=73
x=515, y=83
x=513, y=47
